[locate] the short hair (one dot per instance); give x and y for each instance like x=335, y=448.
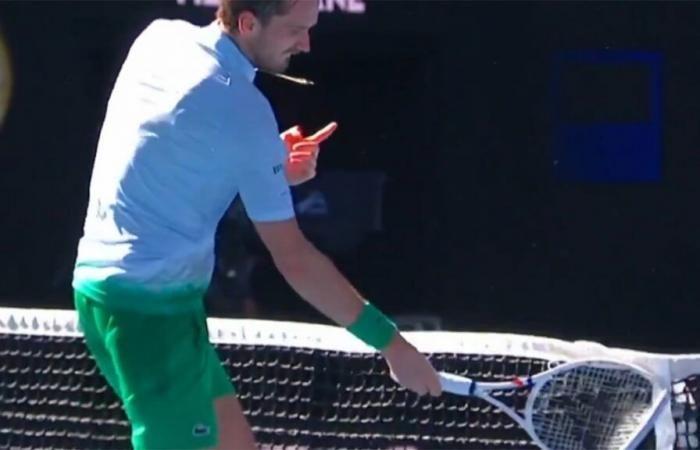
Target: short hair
x=264, y=10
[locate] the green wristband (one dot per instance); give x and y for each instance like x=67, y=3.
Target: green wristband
x=373, y=328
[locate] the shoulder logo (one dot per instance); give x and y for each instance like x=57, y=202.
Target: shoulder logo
x=223, y=78
x=277, y=169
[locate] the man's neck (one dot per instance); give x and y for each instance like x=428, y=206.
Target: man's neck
x=237, y=41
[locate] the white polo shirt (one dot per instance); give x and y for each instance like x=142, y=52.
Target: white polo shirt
x=184, y=133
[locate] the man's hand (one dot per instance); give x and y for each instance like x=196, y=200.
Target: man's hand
x=303, y=152
x=411, y=369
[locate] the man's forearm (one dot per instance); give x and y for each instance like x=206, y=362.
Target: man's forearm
x=316, y=279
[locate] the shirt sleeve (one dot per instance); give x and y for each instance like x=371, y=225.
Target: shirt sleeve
x=259, y=156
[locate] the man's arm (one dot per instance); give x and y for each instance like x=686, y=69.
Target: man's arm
x=312, y=275
x=315, y=278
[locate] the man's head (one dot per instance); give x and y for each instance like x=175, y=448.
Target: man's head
x=270, y=31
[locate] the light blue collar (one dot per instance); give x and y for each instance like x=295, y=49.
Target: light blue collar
x=232, y=57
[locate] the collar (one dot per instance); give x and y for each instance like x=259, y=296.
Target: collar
x=230, y=54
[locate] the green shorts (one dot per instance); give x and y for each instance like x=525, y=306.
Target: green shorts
x=164, y=370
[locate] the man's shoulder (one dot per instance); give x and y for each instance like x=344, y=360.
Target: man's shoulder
x=168, y=28
x=166, y=39
x=231, y=92
x=167, y=54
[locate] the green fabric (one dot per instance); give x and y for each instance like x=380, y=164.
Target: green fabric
x=164, y=370
x=117, y=294
x=373, y=328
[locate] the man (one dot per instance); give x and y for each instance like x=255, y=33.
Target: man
x=184, y=133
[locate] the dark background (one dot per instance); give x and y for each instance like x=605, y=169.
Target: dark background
x=451, y=100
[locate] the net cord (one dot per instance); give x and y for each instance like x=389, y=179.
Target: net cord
x=665, y=367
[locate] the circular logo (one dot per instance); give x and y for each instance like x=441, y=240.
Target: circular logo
x=5, y=79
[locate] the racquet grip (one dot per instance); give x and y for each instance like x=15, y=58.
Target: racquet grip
x=456, y=384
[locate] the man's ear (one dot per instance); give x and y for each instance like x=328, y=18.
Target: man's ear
x=247, y=23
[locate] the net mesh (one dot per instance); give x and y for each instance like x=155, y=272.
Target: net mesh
x=52, y=396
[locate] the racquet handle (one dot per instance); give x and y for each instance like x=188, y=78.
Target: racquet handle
x=456, y=384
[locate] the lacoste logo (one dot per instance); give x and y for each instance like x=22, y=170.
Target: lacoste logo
x=200, y=430
x=225, y=79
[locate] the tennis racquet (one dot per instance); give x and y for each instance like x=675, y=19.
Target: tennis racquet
x=587, y=404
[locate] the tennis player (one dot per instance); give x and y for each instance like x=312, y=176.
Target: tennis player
x=185, y=132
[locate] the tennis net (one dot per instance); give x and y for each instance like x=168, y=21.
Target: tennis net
x=308, y=386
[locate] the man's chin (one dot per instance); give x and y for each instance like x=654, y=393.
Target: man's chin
x=283, y=67
x=278, y=67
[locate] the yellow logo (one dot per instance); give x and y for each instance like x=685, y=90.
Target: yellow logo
x=5, y=79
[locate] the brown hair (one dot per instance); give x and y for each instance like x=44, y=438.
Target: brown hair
x=229, y=10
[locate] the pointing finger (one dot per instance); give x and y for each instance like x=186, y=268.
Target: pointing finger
x=322, y=134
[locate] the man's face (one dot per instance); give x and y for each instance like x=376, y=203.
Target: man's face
x=274, y=43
